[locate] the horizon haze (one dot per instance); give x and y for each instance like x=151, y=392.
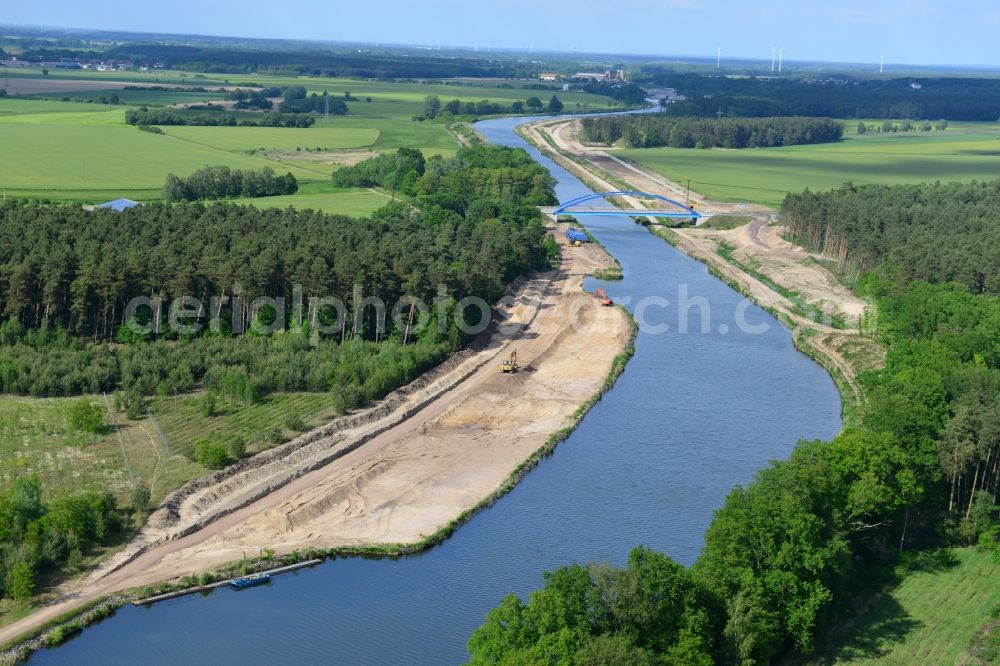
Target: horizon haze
x=846, y=31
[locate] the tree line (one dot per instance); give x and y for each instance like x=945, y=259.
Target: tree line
x=933, y=231
x=812, y=536
x=629, y=94
x=37, y=536
x=145, y=117
x=253, y=98
x=888, y=127
x=67, y=274
x=434, y=108
x=955, y=98
x=317, y=62
x=480, y=181
x=355, y=370
x=295, y=100
x=654, y=130
x=221, y=182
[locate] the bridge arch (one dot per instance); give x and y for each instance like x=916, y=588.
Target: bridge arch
x=686, y=211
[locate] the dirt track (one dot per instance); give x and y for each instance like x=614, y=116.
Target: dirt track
x=758, y=244
x=399, y=471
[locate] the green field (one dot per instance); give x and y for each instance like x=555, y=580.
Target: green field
x=84, y=152
x=242, y=139
x=929, y=618
x=11, y=106
x=964, y=152
x=262, y=425
x=327, y=198
x=64, y=151
x=36, y=438
x=144, y=97
x=60, y=160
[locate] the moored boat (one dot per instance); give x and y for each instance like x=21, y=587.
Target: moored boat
x=249, y=581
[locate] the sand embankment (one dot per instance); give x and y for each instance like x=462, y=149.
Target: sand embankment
x=400, y=470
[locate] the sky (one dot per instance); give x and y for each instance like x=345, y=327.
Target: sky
x=919, y=32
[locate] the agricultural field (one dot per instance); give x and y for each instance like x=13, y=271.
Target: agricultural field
x=930, y=618
x=327, y=198
x=16, y=106
x=36, y=438
x=963, y=152
x=73, y=162
x=84, y=152
x=65, y=151
x=408, y=98
x=145, y=97
x=330, y=136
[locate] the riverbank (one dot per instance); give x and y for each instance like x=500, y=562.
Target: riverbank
x=399, y=476
x=828, y=322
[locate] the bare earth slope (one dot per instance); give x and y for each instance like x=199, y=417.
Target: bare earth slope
x=396, y=472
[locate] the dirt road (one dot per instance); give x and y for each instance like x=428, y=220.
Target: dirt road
x=757, y=245
x=399, y=471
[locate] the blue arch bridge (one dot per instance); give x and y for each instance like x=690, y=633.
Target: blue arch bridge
x=576, y=207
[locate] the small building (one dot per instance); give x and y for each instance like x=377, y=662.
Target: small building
x=119, y=204
x=607, y=76
x=548, y=76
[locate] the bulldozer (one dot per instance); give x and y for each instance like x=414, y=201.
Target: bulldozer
x=509, y=364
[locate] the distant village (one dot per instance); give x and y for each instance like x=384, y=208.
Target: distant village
x=96, y=65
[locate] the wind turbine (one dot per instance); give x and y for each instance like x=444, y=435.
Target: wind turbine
x=718, y=57
x=774, y=53
x=881, y=65
x=781, y=55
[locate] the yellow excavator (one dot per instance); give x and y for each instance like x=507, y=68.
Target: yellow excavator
x=509, y=364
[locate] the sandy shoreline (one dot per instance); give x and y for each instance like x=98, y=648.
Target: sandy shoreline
x=402, y=470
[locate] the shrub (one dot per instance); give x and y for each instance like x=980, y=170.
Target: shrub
x=21, y=581
x=140, y=498
x=237, y=448
x=212, y=455
x=293, y=421
x=86, y=416
x=207, y=404
x=134, y=404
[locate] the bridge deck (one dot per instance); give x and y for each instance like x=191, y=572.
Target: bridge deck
x=574, y=207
